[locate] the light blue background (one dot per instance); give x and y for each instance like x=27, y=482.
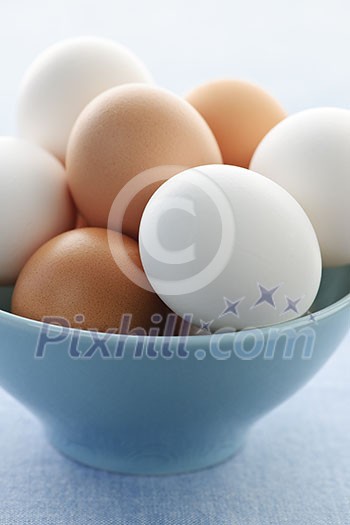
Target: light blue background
x=298, y=50
x=295, y=468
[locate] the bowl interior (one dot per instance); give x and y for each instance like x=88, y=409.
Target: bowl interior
x=335, y=285
x=5, y=298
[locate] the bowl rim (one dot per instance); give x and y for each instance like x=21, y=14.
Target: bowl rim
x=308, y=319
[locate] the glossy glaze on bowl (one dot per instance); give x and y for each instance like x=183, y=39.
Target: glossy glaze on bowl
x=166, y=405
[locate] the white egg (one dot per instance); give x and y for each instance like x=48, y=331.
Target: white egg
x=309, y=155
x=229, y=247
x=64, y=79
x=35, y=203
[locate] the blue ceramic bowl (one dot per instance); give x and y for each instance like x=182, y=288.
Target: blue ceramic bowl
x=160, y=406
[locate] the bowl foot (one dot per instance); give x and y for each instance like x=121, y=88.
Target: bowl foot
x=151, y=460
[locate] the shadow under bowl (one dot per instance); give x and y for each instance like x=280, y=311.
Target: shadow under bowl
x=167, y=405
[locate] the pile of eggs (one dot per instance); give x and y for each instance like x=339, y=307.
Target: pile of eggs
x=124, y=207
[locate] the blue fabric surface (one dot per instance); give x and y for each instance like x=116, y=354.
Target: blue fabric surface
x=294, y=469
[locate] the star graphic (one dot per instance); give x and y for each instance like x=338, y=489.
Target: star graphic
x=266, y=296
x=312, y=317
x=292, y=306
x=231, y=307
x=205, y=326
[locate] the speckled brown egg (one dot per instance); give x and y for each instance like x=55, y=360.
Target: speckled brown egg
x=75, y=274
x=124, y=132
x=239, y=113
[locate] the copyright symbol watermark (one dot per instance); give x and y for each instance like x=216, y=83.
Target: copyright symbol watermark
x=187, y=235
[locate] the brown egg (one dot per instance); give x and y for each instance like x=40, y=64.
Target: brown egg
x=122, y=133
x=239, y=113
x=75, y=274
x=80, y=222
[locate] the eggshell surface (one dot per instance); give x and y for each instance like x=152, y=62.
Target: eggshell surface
x=125, y=132
x=35, y=203
x=309, y=155
x=239, y=114
x=64, y=79
x=75, y=274
x=230, y=247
